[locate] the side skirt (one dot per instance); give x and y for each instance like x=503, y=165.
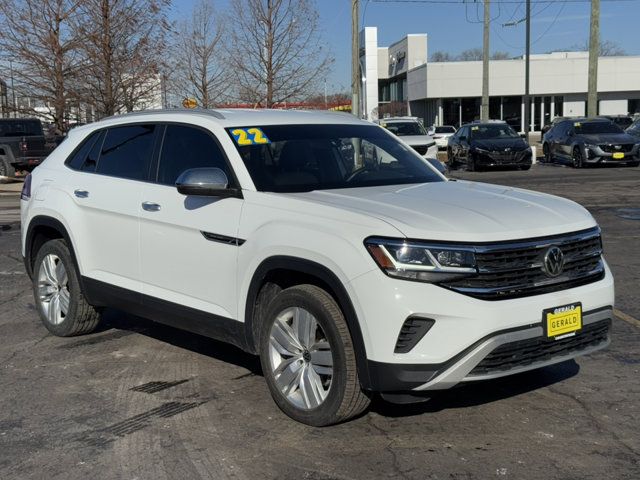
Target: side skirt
x=168, y=313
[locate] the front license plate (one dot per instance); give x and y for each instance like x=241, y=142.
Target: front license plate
x=560, y=321
x=618, y=155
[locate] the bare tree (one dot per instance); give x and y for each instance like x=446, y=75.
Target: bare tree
x=608, y=48
x=199, y=68
x=35, y=35
x=441, y=56
x=473, y=54
x=500, y=56
x=276, y=53
x=124, y=41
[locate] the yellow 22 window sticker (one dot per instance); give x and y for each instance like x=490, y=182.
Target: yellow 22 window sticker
x=249, y=136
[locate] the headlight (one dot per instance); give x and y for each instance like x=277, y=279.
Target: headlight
x=481, y=150
x=421, y=261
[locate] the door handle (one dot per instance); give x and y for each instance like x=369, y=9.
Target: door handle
x=81, y=193
x=150, y=206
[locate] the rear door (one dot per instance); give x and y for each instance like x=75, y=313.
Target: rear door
x=106, y=187
x=188, y=243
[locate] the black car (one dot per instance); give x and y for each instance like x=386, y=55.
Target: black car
x=22, y=145
x=493, y=144
x=623, y=121
x=585, y=141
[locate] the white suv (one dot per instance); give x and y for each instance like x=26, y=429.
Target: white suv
x=318, y=241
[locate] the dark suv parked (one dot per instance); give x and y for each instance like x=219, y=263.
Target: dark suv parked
x=491, y=144
x=585, y=141
x=22, y=145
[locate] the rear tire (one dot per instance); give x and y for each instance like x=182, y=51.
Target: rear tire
x=546, y=151
x=308, y=359
x=62, y=307
x=6, y=169
x=450, y=160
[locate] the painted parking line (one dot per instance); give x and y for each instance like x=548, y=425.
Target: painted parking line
x=626, y=317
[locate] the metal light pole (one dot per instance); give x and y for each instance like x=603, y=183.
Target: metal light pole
x=13, y=91
x=484, y=108
x=594, y=52
x=527, y=101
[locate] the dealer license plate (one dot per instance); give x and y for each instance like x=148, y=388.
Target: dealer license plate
x=561, y=321
x=618, y=155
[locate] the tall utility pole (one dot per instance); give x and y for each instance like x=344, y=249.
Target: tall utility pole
x=484, y=107
x=527, y=55
x=594, y=52
x=355, y=60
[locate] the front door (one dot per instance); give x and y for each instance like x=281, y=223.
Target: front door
x=188, y=243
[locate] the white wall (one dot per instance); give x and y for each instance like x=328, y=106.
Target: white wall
x=550, y=75
x=574, y=105
x=614, y=107
x=369, y=39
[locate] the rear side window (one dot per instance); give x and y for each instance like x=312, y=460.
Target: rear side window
x=126, y=152
x=187, y=147
x=77, y=158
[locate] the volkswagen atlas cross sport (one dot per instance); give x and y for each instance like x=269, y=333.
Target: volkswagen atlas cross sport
x=318, y=241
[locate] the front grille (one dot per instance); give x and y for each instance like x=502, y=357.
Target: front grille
x=422, y=149
x=611, y=148
x=541, y=349
x=510, y=270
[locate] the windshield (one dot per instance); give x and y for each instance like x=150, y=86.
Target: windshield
x=403, y=129
x=20, y=128
x=300, y=158
x=445, y=130
x=486, y=132
x=589, y=128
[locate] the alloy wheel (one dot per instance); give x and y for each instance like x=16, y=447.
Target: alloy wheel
x=53, y=289
x=300, y=358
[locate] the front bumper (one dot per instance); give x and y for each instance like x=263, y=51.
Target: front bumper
x=595, y=155
x=466, y=331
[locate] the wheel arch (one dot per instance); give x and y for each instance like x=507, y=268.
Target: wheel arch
x=41, y=229
x=293, y=270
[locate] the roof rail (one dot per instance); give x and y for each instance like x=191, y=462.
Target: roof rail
x=203, y=111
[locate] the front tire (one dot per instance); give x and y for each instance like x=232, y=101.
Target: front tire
x=577, y=158
x=6, y=169
x=546, y=151
x=308, y=359
x=62, y=307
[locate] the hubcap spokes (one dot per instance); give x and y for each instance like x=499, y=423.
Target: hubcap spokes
x=300, y=358
x=53, y=289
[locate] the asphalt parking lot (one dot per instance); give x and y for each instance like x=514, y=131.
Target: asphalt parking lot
x=140, y=401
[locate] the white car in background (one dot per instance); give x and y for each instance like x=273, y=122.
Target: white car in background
x=413, y=133
x=441, y=135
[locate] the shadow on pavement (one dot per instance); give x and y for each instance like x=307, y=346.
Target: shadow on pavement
x=482, y=392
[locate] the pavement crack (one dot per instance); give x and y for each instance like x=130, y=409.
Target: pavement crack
x=594, y=420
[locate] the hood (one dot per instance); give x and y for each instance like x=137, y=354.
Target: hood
x=598, y=138
x=460, y=211
x=417, y=139
x=499, y=144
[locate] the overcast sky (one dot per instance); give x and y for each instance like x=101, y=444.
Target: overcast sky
x=453, y=28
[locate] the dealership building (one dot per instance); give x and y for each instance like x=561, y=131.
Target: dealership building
x=399, y=80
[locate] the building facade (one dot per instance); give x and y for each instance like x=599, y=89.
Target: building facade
x=449, y=93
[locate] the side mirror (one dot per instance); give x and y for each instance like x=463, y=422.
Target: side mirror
x=205, y=182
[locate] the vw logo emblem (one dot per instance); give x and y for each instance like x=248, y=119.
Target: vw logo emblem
x=617, y=147
x=553, y=262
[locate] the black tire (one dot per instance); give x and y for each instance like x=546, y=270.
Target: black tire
x=451, y=160
x=471, y=164
x=345, y=398
x=546, y=151
x=525, y=167
x=6, y=169
x=80, y=317
x=633, y=164
x=577, y=160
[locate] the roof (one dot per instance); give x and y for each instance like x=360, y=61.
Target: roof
x=235, y=117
